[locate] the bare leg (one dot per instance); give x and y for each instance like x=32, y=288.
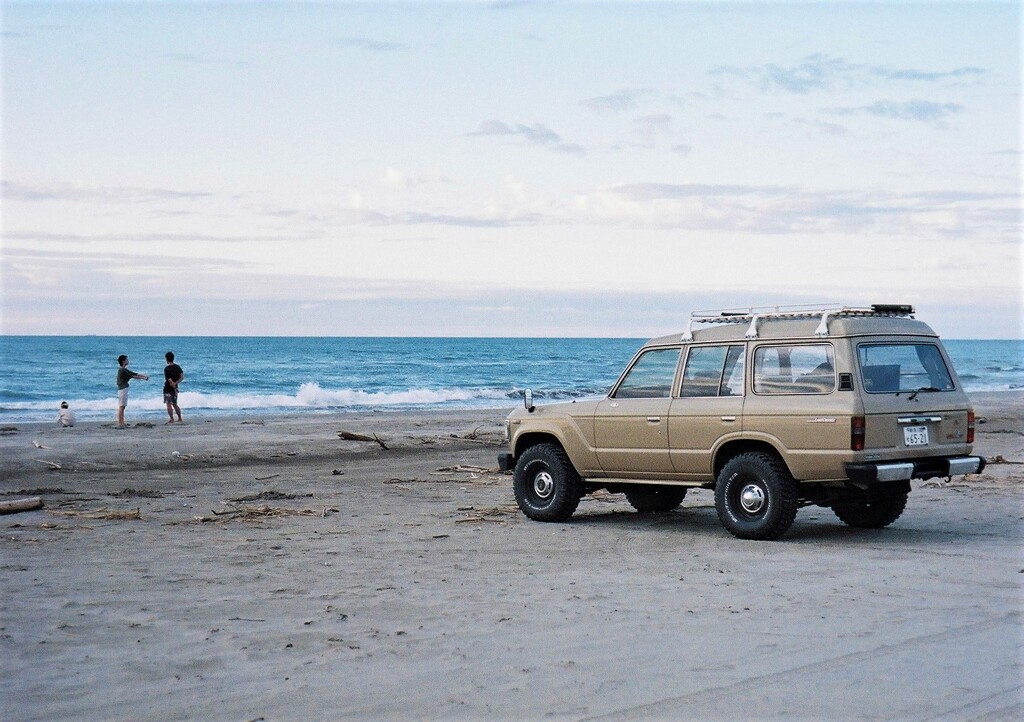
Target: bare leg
x=170, y=413
x=178, y=411
x=120, y=416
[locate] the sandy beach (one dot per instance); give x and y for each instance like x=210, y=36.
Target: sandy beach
x=264, y=568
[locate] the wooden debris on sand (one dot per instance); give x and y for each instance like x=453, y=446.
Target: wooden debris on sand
x=130, y=493
x=17, y=505
x=351, y=436
x=270, y=495
x=259, y=513
x=104, y=514
x=498, y=513
x=53, y=467
x=463, y=469
x=475, y=435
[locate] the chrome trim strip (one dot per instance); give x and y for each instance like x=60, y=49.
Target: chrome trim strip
x=919, y=420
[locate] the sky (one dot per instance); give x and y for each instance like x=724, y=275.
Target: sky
x=505, y=169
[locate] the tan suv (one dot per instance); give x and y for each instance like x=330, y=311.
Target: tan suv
x=772, y=408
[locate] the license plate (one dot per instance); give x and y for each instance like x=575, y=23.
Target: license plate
x=915, y=436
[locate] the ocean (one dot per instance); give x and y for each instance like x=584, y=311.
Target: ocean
x=293, y=375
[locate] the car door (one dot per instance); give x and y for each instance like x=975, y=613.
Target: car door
x=631, y=425
x=708, y=407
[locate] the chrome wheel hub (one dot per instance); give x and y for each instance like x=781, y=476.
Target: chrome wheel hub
x=543, y=485
x=752, y=498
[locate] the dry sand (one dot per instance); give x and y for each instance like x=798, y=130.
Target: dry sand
x=234, y=570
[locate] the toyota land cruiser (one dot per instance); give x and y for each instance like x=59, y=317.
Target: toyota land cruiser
x=774, y=409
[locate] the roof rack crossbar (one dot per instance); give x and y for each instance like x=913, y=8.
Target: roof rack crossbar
x=826, y=312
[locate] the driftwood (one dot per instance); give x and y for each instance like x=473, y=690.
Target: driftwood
x=1001, y=460
x=350, y=436
x=258, y=513
x=464, y=468
x=104, y=513
x=17, y=505
x=53, y=467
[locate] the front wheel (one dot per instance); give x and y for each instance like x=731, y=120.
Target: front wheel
x=756, y=497
x=873, y=514
x=546, y=486
x=645, y=498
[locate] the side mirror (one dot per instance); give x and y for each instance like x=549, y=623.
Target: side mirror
x=528, y=400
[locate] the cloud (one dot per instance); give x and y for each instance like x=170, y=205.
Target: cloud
x=651, y=128
x=821, y=72
x=776, y=210
x=135, y=236
x=92, y=194
x=538, y=135
x=924, y=111
x=370, y=44
x=621, y=100
x=400, y=180
x=928, y=76
x=457, y=220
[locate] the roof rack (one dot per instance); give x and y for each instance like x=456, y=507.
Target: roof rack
x=825, y=311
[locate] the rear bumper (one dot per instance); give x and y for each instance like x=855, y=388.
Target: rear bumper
x=914, y=469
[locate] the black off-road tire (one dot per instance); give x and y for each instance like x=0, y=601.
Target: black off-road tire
x=650, y=498
x=546, y=485
x=874, y=514
x=756, y=497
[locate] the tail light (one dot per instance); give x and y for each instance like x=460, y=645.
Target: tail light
x=857, y=433
x=970, y=427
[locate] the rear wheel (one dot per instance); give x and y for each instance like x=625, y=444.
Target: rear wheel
x=546, y=486
x=873, y=514
x=756, y=497
x=655, y=498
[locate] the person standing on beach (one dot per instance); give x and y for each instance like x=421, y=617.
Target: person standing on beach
x=173, y=375
x=124, y=375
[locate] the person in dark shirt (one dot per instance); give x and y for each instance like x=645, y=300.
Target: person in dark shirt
x=173, y=375
x=124, y=375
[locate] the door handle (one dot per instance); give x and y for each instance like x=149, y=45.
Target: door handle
x=654, y=419
x=728, y=419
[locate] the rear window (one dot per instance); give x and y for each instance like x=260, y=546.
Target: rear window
x=899, y=367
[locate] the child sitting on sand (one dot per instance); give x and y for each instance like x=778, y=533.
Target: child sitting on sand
x=66, y=417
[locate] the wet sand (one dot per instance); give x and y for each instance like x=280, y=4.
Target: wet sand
x=264, y=568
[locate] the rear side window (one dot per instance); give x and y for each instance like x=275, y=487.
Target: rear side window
x=794, y=369
x=651, y=376
x=892, y=368
x=713, y=371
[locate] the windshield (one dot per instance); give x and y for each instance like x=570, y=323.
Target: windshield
x=892, y=368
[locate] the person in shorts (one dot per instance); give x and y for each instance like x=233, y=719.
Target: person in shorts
x=124, y=375
x=173, y=375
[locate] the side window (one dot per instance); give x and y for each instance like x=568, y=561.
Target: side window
x=713, y=371
x=651, y=376
x=732, y=381
x=794, y=370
